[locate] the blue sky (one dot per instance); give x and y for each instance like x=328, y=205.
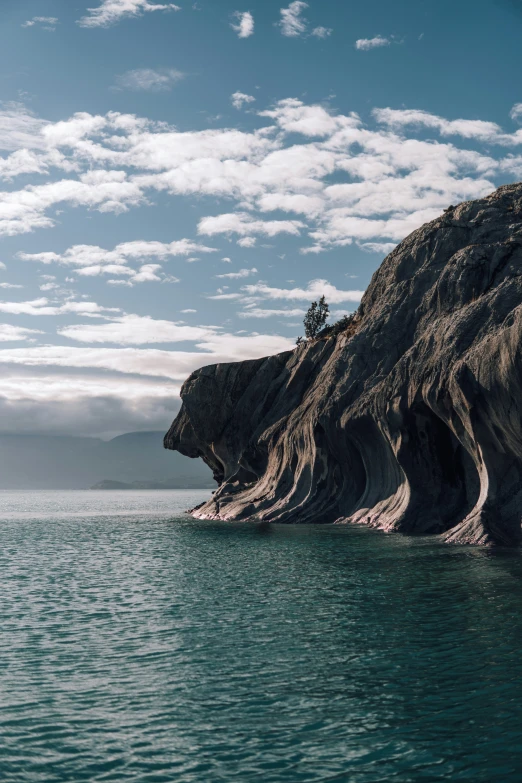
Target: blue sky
x=180, y=180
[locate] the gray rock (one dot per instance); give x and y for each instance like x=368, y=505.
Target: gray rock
x=413, y=423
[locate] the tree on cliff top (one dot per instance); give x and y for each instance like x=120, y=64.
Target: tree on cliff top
x=316, y=317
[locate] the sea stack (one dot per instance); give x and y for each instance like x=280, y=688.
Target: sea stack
x=410, y=420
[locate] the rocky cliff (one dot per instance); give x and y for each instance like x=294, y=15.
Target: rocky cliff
x=410, y=421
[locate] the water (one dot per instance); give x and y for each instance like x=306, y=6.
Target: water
x=139, y=645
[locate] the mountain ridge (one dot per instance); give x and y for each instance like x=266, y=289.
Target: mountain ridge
x=29, y=461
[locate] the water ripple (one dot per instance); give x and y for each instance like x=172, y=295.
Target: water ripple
x=138, y=645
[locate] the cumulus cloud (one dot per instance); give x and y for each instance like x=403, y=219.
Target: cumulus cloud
x=292, y=22
x=260, y=312
x=20, y=130
x=44, y=306
x=135, y=330
x=293, y=116
x=214, y=348
x=46, y=22
x=244, y=224
x=383, y=248
x=110, y=12
x=469, y=129
x=388, y=181
x=93, y=261
x=240, y=274
x=314, y=290
x=87, y=255
x=243, y=24
x=10, y=333
x=149, y=79
x=238, y=99
x=322, y=32
x=365, y=44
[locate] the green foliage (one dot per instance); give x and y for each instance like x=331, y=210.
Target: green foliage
x=314, y=323
x=316, y=317
x=346, y=323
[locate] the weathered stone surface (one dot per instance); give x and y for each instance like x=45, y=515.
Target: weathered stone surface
x=413, y=423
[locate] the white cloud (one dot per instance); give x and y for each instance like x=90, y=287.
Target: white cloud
x=259, y=312
x=240, y=274
x=10, y=285
x=238, y=99
x=135, y=330
x=292, y=202
x=364, y=44
x=96, y=390
x=244, y=224
x=189, y=311
x=383, y=248
x=292, y=23
x=388, y=181
x=516, y=111
x=221, y=297
x=47, y=22
x=315, y=289
x=43, y=306
x=469, y=129
x=112, y=11
x=293, y=116
x=93, y=261
x=9, y=333
x=20, y=129
x=152, y=362
x=322, y=32
x=148, y=274
x=149, y=80
x=244, y=24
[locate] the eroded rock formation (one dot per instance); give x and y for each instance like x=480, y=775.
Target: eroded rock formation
x=413, y=423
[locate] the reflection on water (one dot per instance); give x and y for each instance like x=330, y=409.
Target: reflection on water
x=139, y=645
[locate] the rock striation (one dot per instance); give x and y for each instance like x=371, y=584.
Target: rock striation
x=410, y=422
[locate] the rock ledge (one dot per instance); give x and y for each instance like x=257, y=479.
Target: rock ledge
x=412, y=424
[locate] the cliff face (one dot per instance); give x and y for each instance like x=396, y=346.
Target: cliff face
x=413, y=423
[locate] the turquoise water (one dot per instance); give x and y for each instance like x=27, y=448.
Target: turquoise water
x=139, y=645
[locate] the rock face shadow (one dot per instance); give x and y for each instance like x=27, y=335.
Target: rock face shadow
x=410, y=422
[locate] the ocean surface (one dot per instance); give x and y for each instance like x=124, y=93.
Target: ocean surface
x=137, y=644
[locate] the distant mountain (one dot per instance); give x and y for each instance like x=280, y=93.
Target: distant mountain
x=183, y=482
x=67, y=462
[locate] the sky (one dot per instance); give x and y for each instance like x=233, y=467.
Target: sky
x=180, y=180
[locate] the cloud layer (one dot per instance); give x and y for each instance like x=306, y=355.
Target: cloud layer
x=302, y=173
x=389, y=181
x=110, y=12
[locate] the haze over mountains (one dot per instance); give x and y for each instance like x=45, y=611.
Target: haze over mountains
x=68, y=462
